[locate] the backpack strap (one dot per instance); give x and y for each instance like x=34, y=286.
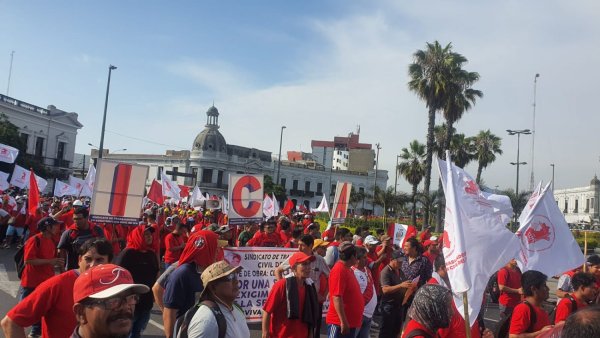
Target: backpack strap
x=417, y=333
x=573, y=302
x=221, y=322
x=532, y=316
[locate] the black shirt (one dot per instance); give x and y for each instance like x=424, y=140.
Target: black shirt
x=391, y=277
x=143, y=267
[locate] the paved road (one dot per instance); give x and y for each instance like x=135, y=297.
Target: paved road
x=9, y=286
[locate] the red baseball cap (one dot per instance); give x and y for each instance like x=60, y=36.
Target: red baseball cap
x=105, y=281
x=300, y=257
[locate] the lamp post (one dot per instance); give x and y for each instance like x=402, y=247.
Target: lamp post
x=532, y=182
x=518, y=133
x=552, y=165
x=279, y=160
x=375, y=185
x=101, y=148
x=396, y=171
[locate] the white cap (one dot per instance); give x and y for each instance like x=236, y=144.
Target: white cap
x=370, y=240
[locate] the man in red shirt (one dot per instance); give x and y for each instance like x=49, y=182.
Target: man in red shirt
x=175, y=242
x=529, y=318
x=269, y=238
x=52, y=301
x=344, y=316
x=509, y=283
x=585, y=292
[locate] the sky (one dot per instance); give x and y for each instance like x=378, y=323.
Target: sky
x=319, y=67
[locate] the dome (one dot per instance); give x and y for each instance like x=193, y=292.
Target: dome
x=212, y=111
x=210, y=139
x=595, y=181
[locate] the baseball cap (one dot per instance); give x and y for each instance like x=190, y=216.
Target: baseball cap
x=105, y=281
x=77, y=203
x=216, y=271
x=300, y=257
x=593, y=260
x=397, y=254
x=371, y=240
x=433, y=238
x=46, y=222
x=319, y=242
x=223, y=229
x=345, y=246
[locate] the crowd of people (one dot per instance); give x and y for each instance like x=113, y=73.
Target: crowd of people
x=82, y=279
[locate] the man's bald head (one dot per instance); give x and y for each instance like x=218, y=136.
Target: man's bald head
x=584, y=323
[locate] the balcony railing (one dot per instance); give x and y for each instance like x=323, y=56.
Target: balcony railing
x=296, y=192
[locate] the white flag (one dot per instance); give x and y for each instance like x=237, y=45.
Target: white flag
x=323, y=207
x=547, y=244
x=197, y=197
x=63, y=189
x=536, y=194
x=77, y=183
x=4, y=181
x=225, y=206
x=20, y=178
x=268, y=207
x=476, y=241
x=275, y=206
x=88, y=188
x=169, y=189
x=8, y=154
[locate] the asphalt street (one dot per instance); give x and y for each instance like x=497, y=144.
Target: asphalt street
x=9, y=286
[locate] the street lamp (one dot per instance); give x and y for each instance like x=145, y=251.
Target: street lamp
x=518, y=133
x=101, y=149
x=279, y=160
x=396, y=179
x=532, y=181
x=552, y=165
x=124, y=149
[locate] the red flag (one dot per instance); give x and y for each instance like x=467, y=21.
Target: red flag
x=155, y=193
x=34, y=195
x=287, y=209
x=184, y=191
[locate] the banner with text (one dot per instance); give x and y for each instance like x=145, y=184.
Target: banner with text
x=340, y=202
x=118, y=193
x=245, y=198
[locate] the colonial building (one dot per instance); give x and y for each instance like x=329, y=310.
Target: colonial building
x=211, y=160
x=580, y=205
x=48, y=133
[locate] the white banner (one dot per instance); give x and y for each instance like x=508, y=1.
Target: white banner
x=20, y=178
x=323, y=207
x=62, y=189
x=170, y=189
x=8, y=154
x=245, y=198
x=76, y=183
x=268, y=207
x=4, y=181
x=340, y=202
x=88, y=189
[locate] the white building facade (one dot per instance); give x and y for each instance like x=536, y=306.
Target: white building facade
x=211, y=160
x=580, y=205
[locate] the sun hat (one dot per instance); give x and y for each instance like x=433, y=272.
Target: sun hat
x=215, y=271
x=319, y=242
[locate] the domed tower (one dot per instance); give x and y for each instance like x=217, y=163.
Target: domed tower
x=595, y=181
x=210, y=139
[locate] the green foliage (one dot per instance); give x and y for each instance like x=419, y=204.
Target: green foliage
x=9, y=135
x=270, y=187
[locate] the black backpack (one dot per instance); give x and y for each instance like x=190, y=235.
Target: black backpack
x=492, y=288
x=573, y=308
x=19, y=256
x=182, y=323
x=418, y=332
x=503, y=327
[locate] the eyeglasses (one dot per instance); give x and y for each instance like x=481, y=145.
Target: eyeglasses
x=114, y=303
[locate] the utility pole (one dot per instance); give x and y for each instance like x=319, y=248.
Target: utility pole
x=376, y=169
x=532, y=181
x=12, y=54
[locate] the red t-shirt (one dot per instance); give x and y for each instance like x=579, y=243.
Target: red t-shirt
x=563, y=309
x=414, y=325
x=431, y=257
x=173, y=240
x=265, y=240
x=457, y=325
x=329, y=235
x=521, y=319
x=52, y=302
x=371, y=258
x=31, y=223
x=66, y=218
x=276, y=305
x=285, y=237
x=342, y=282
x=34, y=275
x=512, y=279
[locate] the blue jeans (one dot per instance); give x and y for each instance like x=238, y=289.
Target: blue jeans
x=140, y=320
x=365, y=328
x=36, y=329
x=335, y=331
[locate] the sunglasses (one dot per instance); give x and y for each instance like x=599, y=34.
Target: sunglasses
x=114, y=303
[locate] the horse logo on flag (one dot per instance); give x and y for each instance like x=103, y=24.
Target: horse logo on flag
x=471, y=187
x=539, y=236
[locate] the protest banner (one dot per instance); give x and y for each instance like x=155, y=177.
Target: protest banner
x=257, y=276
x=340, y=202
x=63, y=189
x=245, y=198
x=8, y=154
x=20, y=178
x=118, y=192
x=400, y=233
x=4, y=181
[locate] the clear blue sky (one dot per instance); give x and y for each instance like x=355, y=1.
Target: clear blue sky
x=319, y=67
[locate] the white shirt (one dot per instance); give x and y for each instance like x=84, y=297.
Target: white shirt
x=363, y=281
x=204, y=323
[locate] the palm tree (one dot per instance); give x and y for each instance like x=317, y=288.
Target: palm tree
x=518, y=202
x=462, y=150
x=412, y=169
x=430, y=76
x=486, y=145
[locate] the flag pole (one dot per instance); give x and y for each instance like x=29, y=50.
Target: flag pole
x=466, y=312
x=584, y=250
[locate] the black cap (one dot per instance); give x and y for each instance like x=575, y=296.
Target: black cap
x=46, y=222
x=345, y=246
x=397, y=254
x=593, y=260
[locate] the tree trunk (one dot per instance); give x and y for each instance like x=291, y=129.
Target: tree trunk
x=479, y=170
x=427, y=183
x=414, y=205
x=447, y=140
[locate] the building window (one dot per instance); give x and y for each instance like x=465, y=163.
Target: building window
x=295, y=185
x=592, y=203
x=566, y=206
x=361, y=190
x=587, y=205
x=283, y=182
x=60, y=153
x=195, y=173
x=158, y=172
x=576, y=206
x=307, y=186
x=174, y=173
x=25, y=140
x=319, y=187
x=207, y=175
x=39, y=147
x=332, y=193
x=219, y=178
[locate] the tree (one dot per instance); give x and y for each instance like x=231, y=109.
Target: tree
x=518, y=201
x=356, y=197
x=9, y=135
x=388, y=199
x=412, y=168
x=461, y=147
x=486, y=145
x=430, y=76
x=272, y=188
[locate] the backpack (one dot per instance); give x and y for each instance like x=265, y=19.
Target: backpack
x=503, y=327
x=492, y=288
x=19, y=257
x=182, y=323
x=418, y=332
x=552, y=314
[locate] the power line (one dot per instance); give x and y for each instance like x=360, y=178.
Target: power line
x=147, y=141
